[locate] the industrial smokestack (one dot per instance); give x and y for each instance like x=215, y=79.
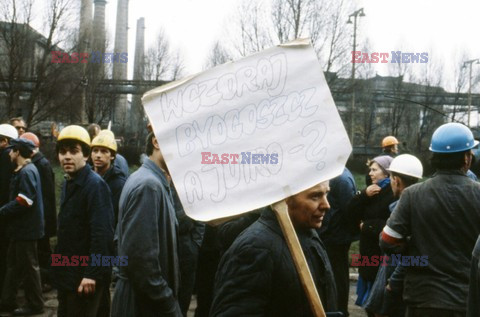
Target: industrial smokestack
x=99, y=26
x=139, y=62
x=120, y=69
x=138, y=74
x=121, y=39
x=85, y=29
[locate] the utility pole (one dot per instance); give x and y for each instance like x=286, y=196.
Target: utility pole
x=469, y=63
x=358, y=13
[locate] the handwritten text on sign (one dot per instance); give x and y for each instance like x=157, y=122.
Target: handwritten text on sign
x=273, y=103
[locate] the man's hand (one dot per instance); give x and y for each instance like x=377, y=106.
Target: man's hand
x=373, y=190
x=87, y=287
x=388, y=288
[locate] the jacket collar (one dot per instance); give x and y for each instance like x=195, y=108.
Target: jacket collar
x=149, y=164
x=449, y=172
x=81, y=176
x=37, y=157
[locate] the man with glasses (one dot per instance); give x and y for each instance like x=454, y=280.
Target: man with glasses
x=19, y=124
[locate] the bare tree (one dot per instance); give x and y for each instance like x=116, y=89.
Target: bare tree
x=431, y=115
x=160, y=62
x=251, y=32
x=27, y=61
x=219, y=55
x=258, y=26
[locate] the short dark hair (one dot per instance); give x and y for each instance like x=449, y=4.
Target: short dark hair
x=448, y=161
x=149, y=144
x=406, y=180
x=24, y=152
x=12, y=120
x=71, y=144
x=388, y=149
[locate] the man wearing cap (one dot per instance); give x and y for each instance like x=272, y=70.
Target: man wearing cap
x=390, y=146
x=7, y=132
x=85, y=228
x=47, y=178
x=104, y=150
x=24, y=213
x=120, y=162
x=405, y=170
x=442, y=216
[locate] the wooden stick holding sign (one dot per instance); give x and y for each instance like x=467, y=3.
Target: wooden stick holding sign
x=281, y=211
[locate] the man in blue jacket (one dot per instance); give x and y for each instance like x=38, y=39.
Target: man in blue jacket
x=47, y=178
x=25, y=227
x=147, y=234
x=85, y=229
x=336, y=235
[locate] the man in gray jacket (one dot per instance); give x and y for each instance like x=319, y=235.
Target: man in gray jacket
x=147, y=235
x=442, y=216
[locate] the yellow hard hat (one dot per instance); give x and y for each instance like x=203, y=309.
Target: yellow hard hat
x=107, y=132
x=389, y=140
x=74, y=132
x=106, y=140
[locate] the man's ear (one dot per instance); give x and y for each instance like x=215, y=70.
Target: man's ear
x=467, y=158
x=155, y=143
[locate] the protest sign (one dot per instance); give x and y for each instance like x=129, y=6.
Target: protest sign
x=248, y=133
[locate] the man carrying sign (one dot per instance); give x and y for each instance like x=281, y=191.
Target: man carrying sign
x=257, y=276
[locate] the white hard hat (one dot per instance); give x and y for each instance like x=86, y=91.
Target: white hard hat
x=8, y=130
x=407, y=165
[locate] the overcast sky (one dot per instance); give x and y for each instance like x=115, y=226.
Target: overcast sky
x=442, y=28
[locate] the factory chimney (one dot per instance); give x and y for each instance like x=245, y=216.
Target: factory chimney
x=138, y=74
x=99, y=26
x=120, y=69
x=85, y=29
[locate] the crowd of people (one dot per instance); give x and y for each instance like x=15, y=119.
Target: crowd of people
x=242, y=267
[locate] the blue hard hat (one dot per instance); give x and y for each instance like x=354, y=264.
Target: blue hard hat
x=451, y=138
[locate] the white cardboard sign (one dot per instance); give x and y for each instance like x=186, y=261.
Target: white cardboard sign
x=249, y=133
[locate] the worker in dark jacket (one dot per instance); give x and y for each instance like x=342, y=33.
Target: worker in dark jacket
x=190, y=237
x=442, y=217
x=104, y=150
x=368, y=212
x=473, y=308
x=257, y=276
x=85, y=229
x=335, y=234
x=386, y=295
x=7, y=132
x=147, y=235
x=47, y=178
x=24, y=213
